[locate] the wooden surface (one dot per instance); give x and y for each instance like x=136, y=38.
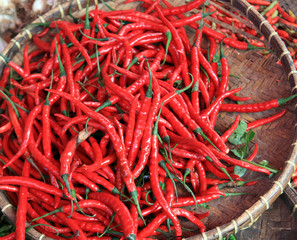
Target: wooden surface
x=277, y=223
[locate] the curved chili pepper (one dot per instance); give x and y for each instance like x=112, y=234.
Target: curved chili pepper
x=256, y=107
x=263, y=121
x=121, y=210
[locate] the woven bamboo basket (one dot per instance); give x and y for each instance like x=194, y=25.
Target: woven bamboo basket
x=261, y=77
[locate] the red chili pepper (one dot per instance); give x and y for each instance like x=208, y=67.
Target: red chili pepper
x=22, y=205
x=14, y=66
x=131, y=124
x=228, y=133
x=147, y=135
x=253, y=155
x=259, y=2
x=285, y=15
x=263, y=121
x=45, y=46
x=121, y=210
x=32, y=183
x=10, y=236
x=256, y=107
x=283, y=34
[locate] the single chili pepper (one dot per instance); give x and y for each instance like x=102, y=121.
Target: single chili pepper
x=237, y=98
x=68, y=69
x=189, y=167
x=46, y=128
x=6, y=127
x=103, y=143
x=4, y=77
x=245, y=163
x=263, y=121
x=228, y=133
x=182, y=9
x=283, y=34
x=256, y=107
x=10, y=236
x=22, y=205
x=26, y=59
x=45, y=46
x=202, y=177
x=131, y=124
x=259, y=2
x=30, y=183
x=195, y=73
x=225, y=72
x=253, y=155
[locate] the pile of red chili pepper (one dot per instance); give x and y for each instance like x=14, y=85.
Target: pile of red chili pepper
x=112, y=114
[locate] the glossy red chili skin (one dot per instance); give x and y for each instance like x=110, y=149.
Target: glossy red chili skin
x=120, y=209
x=4, y=77
x=263, y=121
x=22, y=205
x=10, y=236
x=147, y=136
x=256, y=107
x=228, y=133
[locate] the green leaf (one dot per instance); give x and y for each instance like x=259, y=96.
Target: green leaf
x=250, y=135
x=240, y=171
x=238, y=153
x=238, y=136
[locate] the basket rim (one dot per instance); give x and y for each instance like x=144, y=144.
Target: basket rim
x=247, y=218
